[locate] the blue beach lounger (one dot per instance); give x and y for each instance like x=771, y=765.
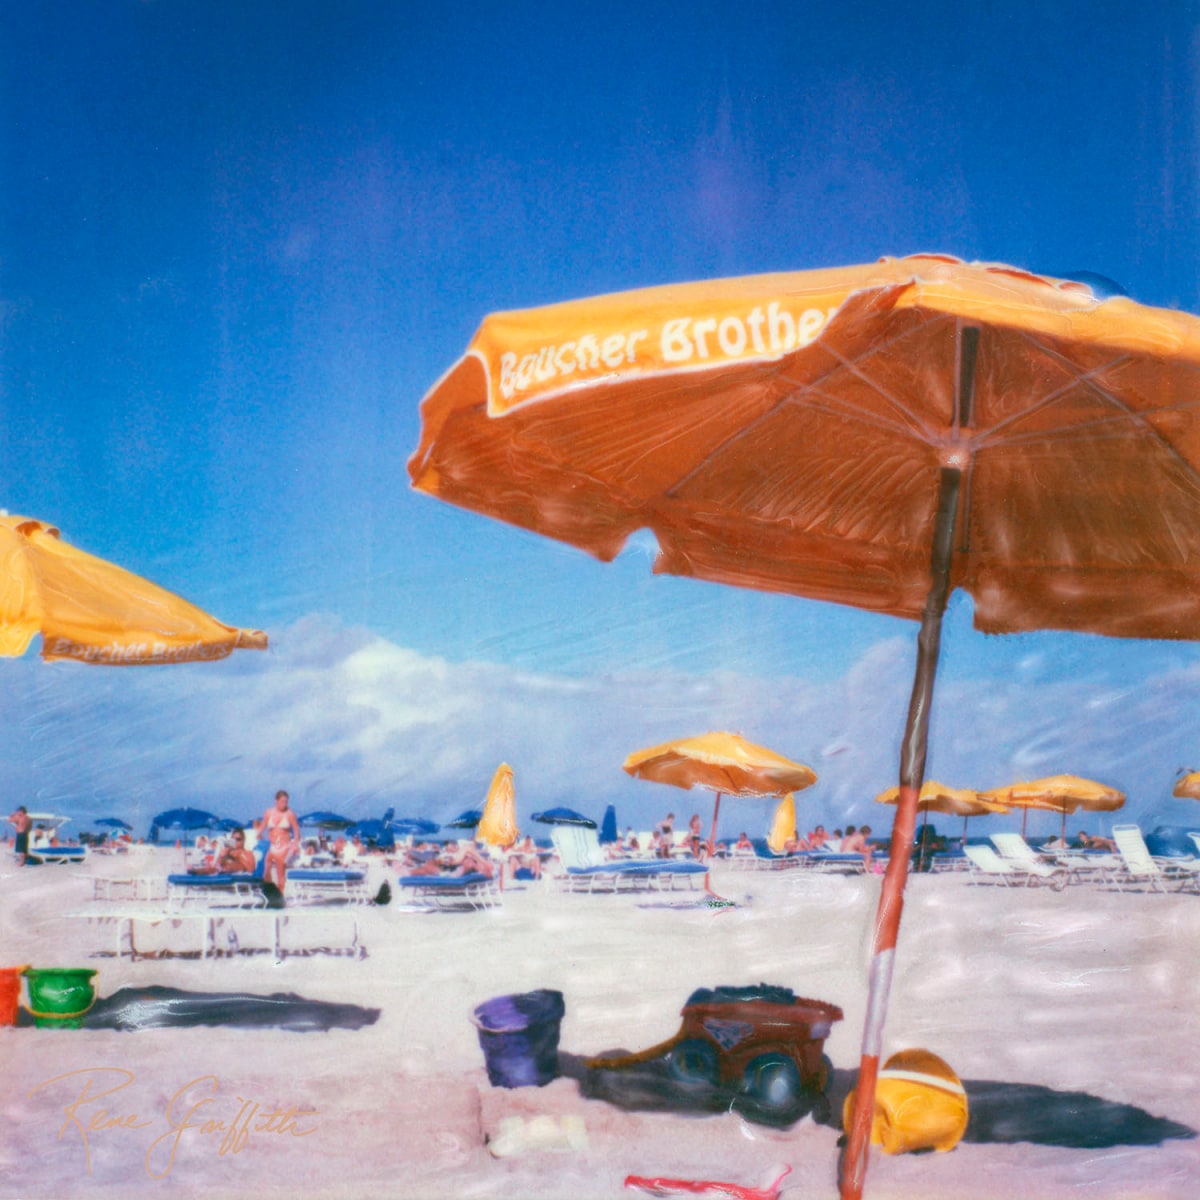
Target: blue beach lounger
x=587, y=869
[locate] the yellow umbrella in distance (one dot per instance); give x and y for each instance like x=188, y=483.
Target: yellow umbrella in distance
x=783, y=825
x=1187, y=787
x=1058, y=793
x=957, y=802
x=720, y=762
x=93, y=611
x=498, y=825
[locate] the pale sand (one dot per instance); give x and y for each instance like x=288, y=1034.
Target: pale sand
x=1084, y=991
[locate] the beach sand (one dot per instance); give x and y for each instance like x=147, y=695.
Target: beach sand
x=1071, y=1017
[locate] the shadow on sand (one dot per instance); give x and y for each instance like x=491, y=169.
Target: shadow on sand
x=999, y=1112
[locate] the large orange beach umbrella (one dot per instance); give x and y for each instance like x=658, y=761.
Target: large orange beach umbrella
x=1058, y=793
x=873, y=435
x=720, y=762
x=93, y=611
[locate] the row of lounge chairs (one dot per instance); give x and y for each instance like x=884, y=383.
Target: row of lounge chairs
x=1131, y=867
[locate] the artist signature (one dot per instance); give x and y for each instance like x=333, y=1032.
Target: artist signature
x=194, y=1113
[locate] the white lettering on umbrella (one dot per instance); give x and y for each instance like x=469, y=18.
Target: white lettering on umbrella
x=692, y=340
x=135, y=652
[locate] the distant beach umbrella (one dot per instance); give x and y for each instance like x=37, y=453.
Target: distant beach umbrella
x=113, y=823
x=955, y=802
x=374, y=832
x=466, y=820
x=186, y=820
x=1187, y=787
x=783, y=824
x=608, y=826
x=323, y=819
x=413, y=826
x=564, y=816
x=720, y=762
x=498, y=824
x=1058, y=793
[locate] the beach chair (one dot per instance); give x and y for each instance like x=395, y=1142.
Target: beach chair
x=763, y=858
x=1140, y=868
x=475, y=891
x=586, y=869
x=986, y=862
x=1015, y=850
x=241, y=890
x=324, y=885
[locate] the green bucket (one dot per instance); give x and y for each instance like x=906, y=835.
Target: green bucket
x=59, y=997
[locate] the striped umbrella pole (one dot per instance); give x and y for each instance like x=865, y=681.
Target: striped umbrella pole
x=853, y=1167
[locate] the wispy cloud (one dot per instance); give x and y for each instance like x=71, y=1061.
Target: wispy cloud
x=346, y=719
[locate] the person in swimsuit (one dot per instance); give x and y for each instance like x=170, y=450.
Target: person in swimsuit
x=282, y=831
x=235, y=859
x=20, y=822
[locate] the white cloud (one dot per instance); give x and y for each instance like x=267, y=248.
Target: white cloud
x=347, y=720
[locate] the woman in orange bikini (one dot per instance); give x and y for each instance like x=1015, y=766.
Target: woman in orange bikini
x=282, y=831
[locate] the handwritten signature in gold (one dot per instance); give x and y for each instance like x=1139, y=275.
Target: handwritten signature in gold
x=192, y=1112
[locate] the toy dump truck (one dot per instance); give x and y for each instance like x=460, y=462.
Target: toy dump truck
x=763, y=1042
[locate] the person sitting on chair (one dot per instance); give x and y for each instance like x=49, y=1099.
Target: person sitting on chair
x=235, y=859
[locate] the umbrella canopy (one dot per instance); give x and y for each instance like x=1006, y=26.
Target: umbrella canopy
x=374, y=832
x=184, y=819
x=1058, y=793
x=1187, y=787
x=113, y=823
x=414, y=826
x=608, y=826
x=564, y=816
x=466, y=820
x=937, y=797
x=498, y=824
x=720, y=762
x=324, y=819
x=783, y=824
x=96, y=612
x=873, y=435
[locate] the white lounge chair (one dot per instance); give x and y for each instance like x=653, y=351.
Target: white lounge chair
x=1016, y=851
x=1141, y=868
x=985, y=861
x=588, y=870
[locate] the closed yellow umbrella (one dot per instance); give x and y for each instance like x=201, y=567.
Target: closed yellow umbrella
x=93, y=611
x=724, y=763
x=1057, y=793
x=498, y=825
x=783, y=825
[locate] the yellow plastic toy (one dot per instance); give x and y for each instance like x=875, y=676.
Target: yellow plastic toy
x=920, y=1104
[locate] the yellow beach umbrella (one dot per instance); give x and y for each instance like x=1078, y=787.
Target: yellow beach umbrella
x=1057, y=793
x=93, y=611
x=720, y=762
x=875, y=435
x=783, y=825
x=1187, y=787
x=937, y=797
x=498, y=825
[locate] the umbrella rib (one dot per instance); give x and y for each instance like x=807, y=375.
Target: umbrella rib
x=909, y=424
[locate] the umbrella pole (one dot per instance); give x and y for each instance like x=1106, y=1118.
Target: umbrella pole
x=712, y=837
x=853, y=1167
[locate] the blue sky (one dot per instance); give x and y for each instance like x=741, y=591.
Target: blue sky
x=239, y=242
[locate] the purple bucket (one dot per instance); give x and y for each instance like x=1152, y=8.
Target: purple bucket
x=519, y=1038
